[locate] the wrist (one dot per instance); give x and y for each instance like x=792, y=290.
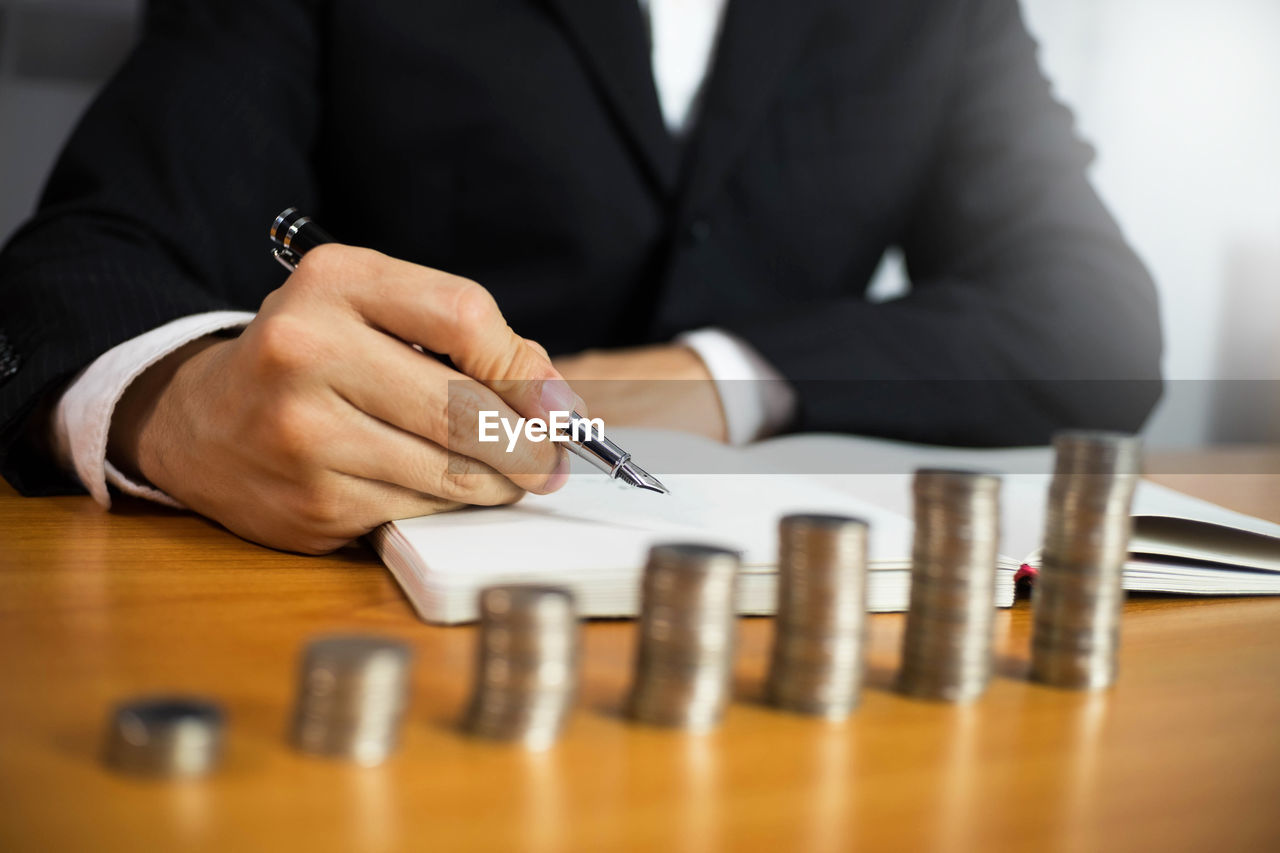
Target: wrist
x=686, y=363
x=133, y=443
x=661, y=361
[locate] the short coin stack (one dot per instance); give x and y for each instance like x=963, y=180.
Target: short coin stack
x=684, y=662
x=816, y=666
x=526, y=665
x=947, y=646
x=172, y=736
x=352, y=693
x=1079, y=593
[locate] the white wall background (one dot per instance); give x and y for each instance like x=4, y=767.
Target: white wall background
x=1182, y=100
x=54, y=55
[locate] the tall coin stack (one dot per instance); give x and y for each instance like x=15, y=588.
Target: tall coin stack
x=526, y=665
x=947, y=646
x=352, y=693
x=1079, y=594
x=684, y=663
x=816, y=666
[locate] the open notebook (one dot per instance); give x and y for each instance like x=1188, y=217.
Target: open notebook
x=593, y=535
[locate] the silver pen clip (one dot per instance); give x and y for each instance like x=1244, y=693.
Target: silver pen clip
x=287, y=259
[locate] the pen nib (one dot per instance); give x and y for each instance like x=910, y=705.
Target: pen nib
x=633, y=475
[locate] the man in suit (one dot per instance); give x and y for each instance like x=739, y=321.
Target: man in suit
x=650, y=190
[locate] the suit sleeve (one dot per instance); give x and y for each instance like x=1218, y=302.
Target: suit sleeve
x=158, y=206
x=1028, y=312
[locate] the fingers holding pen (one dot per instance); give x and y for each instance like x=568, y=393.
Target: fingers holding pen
x=361, y=355
x=421, y=397
x=453, y=316
x=372, y=449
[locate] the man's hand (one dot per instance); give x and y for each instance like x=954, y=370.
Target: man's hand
x=320, y=421
x=665, y=386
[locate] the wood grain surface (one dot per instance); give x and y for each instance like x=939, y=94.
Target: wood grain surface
x=1182, y=754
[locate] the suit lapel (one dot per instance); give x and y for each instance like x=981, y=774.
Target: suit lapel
x=611, y=37
x=759, y=40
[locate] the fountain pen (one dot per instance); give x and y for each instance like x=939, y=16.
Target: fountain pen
x=294, y=234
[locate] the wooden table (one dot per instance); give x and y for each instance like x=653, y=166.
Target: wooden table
x=1184, y=753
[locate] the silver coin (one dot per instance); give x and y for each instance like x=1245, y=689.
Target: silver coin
x=526, y=664
x=1067, y=621
x=352, y=693
x=816, y=662
x=947, y=641
x=1078, y=597
x=825, y=651
x=686, y=635
x=1088, y=671
x=169, y=736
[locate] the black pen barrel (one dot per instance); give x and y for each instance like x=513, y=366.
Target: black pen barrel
x=295, y=234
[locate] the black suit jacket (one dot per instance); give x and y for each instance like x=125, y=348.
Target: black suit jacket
x=520, y=143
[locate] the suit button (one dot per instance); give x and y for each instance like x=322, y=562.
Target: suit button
x=699, y=231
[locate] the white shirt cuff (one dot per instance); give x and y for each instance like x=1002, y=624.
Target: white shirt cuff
x=82, y=418
x=756, y=399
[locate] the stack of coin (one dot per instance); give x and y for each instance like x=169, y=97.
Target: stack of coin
x=526, y=664
x=947, y=647
x=1079, y=593
x=352, y=693
x=165, y=736
x=684, y=660
x=816, y=665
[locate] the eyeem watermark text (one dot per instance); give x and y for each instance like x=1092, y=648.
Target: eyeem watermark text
x=562, y=427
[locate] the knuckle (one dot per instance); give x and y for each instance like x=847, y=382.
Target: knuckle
x=469, y=481
x=321, y=508
x=432, y=505
x=271, y=303
x=512, y=362
x=456, y=480
x=503, y=366
x=283, y=345
x=538, y=348
x=291, y=428
x=320, y=265
x=474, y=308
x=329, y=269
x=462, y=415
x=484, y=342
x=508, y=495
